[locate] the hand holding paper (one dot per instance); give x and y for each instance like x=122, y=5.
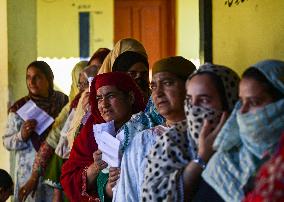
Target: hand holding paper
x=107, y=143
x=31, y=111
x=27, y=127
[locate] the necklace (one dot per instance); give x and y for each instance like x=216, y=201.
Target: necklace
x=126, y=138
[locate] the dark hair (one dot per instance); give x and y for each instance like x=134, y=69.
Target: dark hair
x=255, y=74
x=100, y=54
x=45, y=69
x=6, y=181
x=218, y=83
x=127, y=59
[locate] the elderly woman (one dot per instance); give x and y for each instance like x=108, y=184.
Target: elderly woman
x=168, y=92
x=252, y=132
x=177, y=159
x=20, y=135
x=114, y=96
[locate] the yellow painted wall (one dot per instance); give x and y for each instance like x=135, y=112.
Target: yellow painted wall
x=187, y=28
x=4, y=157
x=22, y=48
x=58, y=26
x=246, y=33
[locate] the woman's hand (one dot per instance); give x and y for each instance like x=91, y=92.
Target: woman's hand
x=27, y=129
x=29, y=187
x=207, y=138
x=95, y=167
x=114, y=174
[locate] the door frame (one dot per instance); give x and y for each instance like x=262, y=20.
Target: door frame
x=205, y=31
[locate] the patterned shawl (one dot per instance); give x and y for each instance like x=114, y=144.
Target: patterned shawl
x=269, y=184
x=175, y=149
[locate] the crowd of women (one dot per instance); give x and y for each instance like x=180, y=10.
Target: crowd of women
x=191, y=134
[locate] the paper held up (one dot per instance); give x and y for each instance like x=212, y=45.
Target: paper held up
x=108, y=144
x=31, y=111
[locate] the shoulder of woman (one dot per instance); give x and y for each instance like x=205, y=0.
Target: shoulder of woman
x=18, y=104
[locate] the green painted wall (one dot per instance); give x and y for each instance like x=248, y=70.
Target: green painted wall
x=187, y=28
x=58, y=26
x=22, y=46
x=248, y=32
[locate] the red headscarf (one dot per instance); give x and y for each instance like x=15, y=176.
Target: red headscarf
x=81, y=157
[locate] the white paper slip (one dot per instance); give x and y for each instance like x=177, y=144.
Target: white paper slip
x=110, y=147
x=110, y=160
x=31, y=111
x=107, y=127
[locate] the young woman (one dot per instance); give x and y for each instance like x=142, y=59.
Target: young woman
x=252, y=132
x=20, y=135
x=113, y=96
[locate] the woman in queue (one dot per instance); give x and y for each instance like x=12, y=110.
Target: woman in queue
x=20, y=135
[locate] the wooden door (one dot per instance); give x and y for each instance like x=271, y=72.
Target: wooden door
x=150, y=21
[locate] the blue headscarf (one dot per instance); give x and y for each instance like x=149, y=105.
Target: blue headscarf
x=245, y=139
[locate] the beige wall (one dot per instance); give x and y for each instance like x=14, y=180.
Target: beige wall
x=4, y=157
x=187, y=28
x=246, y=33
x=58, y=26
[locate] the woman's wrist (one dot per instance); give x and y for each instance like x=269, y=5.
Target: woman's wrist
x=92, y=173
x=199, y=161
x=205, y=156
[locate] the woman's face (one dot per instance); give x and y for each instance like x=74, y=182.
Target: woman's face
x=114, y=104
x=37, y=82
x=201, y=91
x=83, y=82
x=140, y=74
x=168, y=93
x=253, y=95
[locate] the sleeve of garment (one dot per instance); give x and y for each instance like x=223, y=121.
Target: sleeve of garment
x=128, y=188
x=74, y=170
x=12, y=139
x=54, y=134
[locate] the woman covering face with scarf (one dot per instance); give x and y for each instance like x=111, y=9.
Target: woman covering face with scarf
x=113, y=96
x=252, y=132
x=211, y=90
x=20, y=135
